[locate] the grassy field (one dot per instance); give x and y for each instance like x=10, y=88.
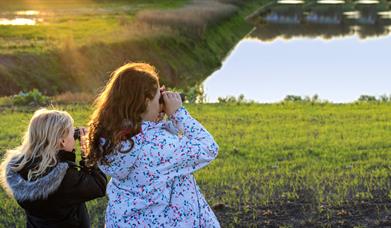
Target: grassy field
x=290, y=164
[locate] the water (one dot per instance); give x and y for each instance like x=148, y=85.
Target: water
x=385, y=14
x=17, y=21
x=28, y=13
x=293, y=2
x=334, y=63
x=335, y=50
x=330, y=2
x=27, y=17
x=368, y=2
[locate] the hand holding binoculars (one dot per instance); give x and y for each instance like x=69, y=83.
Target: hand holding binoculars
x=161, y=100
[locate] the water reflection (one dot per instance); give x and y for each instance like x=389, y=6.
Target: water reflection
x=329, y=19
x=316, y=18
x=385, y=14
x=351, y=14
x=26, y=17
x=362, y=12
x=27, y=13
x=368, y=2
x=269, y=32
x=311, y=48
x=276, y=18
x=338, y=70
x=290, y=2
x=330, y=2
x=18, y=21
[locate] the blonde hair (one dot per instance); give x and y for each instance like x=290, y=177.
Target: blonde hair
x=41, y=142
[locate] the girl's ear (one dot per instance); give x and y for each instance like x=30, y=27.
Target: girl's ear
x=148, y=101
x=62, y=142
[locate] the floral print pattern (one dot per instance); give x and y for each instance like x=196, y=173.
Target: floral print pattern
x=152, y=185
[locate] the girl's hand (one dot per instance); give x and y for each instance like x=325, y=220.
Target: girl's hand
x=172, y=102
x=160, y=117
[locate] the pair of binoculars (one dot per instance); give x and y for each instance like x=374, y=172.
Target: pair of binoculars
x=76, y=134
x=161, y=100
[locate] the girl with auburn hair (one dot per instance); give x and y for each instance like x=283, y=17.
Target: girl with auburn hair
x=43, y=177
x=150, y=160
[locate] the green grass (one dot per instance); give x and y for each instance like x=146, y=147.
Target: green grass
x=82, y=21
x=321, y=154
x=77, y=51
x=13, y=5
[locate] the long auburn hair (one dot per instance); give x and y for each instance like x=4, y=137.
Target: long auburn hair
x=41, y=143
x=118, y=109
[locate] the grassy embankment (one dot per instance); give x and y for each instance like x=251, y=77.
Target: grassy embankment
x=77, y=45
x=296, y=163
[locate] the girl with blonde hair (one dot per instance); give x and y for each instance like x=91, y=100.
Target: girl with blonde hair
x=43, y=177
x=150, y=160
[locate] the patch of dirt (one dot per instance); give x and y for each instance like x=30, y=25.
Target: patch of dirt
x=366, y=214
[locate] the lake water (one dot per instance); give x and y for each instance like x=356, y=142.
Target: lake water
x=337, y=61
x=27, y=17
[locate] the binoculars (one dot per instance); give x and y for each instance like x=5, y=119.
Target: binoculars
x=161, y=100
x=76, y=134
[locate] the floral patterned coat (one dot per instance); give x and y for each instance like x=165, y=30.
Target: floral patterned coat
x=152, y=184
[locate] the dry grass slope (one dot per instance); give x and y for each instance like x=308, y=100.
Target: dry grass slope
x=193, y=17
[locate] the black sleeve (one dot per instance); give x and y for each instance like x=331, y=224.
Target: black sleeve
x=83, y=185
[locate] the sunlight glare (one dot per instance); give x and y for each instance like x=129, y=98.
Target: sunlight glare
x=17, y=21
x=27, y=13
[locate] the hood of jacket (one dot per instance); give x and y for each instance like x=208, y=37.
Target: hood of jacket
x=40, y=188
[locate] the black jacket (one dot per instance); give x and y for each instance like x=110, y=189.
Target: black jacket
x=57, y=198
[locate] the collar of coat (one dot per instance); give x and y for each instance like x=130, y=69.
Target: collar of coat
x=40, y=188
